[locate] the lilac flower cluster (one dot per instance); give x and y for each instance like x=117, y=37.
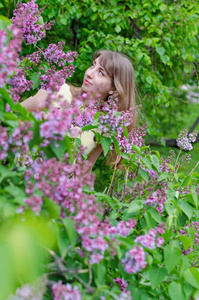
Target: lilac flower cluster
x=185, y=140
x=65, y=291
x=157, y=199
x=9, y=54
x=123, y=228
x=20, y=84
x=63, y=183
x=122, y=283
x=135, y=137
x=52, y=80
x=54, y=53
x=151, y=240
x=134, y=260
x=125, y=296
x=4, y=145
x=34, y=202
x=59, y=122
x=18, y=140
x=197, y=189
x=26, y=16
x=194, y=225
x=113, y=122
x=31, y=292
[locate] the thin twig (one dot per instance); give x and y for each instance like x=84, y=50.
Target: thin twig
x=63, y=270
x=195, y=261
x=194, y=168
x=90, y=274
x=115, y=168
x=177, y=158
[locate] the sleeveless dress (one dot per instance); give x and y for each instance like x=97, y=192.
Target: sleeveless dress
x=86, y=137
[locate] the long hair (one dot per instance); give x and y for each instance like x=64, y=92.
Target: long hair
x=120, y=70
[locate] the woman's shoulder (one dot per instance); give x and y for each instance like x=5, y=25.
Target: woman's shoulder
x=64, y=93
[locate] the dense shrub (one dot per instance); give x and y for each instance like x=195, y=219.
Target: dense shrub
x=62, y=239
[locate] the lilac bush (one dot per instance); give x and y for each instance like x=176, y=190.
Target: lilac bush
x=121, y=242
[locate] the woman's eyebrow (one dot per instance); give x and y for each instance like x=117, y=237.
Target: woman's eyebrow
x=103, y=69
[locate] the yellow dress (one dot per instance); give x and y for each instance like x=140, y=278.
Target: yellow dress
x=86, y=137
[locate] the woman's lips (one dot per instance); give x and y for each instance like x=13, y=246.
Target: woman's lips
x=87, y=82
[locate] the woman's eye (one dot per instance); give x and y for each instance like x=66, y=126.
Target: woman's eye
x=101, y=73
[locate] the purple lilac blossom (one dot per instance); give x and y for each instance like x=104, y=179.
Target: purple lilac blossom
x=185, y=140
x=150, y=240
x=194, y=225
x=157, y=199
x=25, y=18
x=9, y=54
x=65, y=291
x=134, y=260
x=122, y=283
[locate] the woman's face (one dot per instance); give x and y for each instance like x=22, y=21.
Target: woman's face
x=96, y=80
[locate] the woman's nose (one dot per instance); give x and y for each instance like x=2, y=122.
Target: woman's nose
x=89, y=73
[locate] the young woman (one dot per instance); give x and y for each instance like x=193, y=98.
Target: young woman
x=109, y=72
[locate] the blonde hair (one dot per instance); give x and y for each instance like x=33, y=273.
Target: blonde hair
x=120, y=70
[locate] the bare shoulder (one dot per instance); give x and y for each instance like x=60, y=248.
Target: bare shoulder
x=36, y=101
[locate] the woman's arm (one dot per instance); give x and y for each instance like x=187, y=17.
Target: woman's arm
x=93, y=157
x=35, y=102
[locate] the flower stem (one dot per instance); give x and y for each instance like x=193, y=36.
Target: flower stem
x=194, y=168
x=177, y=158
x=115, y=168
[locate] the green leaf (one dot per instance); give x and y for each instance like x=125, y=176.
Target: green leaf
x=100, y=270
x=52, y=207
x=4, y=23
x=58, y=148
x=35, y=78
x=165, y=59
x=187, y=181
x=69, y=147
x=160, y=50
x=186, y=208
x=155, y=161
x=136, y=149
x=143, y=174
x=176, y=291
x=36, y=135
x=63, y=242
x=105, y=142
x=116, y=145
x=10, y=119
x=192, y=276
x=172, y=255
x=6, y=173
x=135, y=206
x=156, y=275
x=149, y=79
x=70, y=228
x=89, y=127
x=107, y=199
x=18, y=193
x=186, y=241
x=194, y=196
x=118, y=28
x=155, y=215
x=149, y=219
x=147, y=162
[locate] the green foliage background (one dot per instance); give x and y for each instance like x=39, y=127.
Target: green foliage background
x=160, y=37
